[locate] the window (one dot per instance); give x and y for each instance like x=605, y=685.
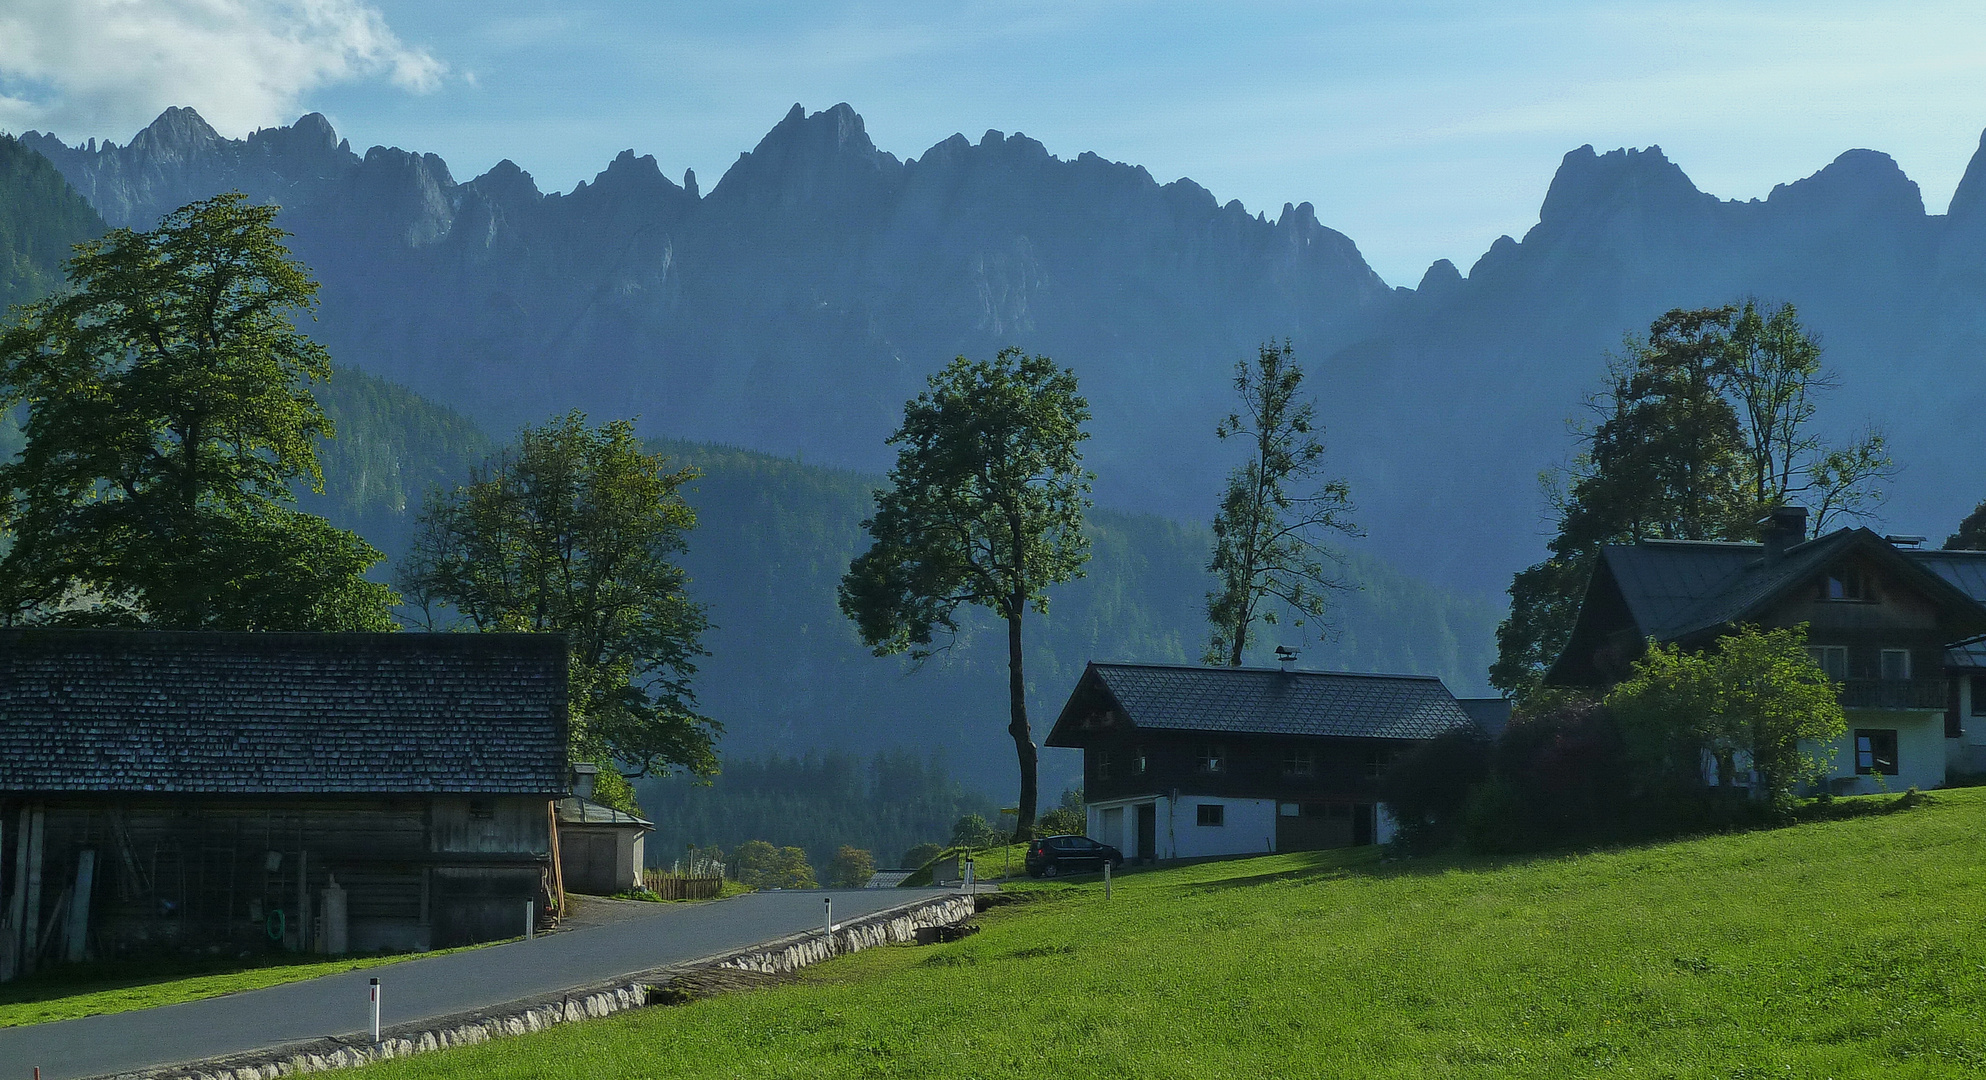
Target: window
x=1875, y=751
x=1288, y=809
x=1139, y=758
x=1299, y=763
x=1832, y=659
x=1212, y=813
x=1979, y=695
x=1212, y=759
x=1843, y=584
x=1896, y=665
x=482, y=809
x=1376, y=762
x=1103, y=764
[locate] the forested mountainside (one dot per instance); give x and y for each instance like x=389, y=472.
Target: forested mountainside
x=787, y=673
x=886, y=804
x=794, y=306
x=41, y=218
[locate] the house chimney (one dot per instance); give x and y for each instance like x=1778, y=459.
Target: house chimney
x=583, y=773
x=1784, y=527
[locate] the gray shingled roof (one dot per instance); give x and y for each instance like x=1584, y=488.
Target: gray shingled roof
x=1678, y=588
x=254, y=714
x=1271, y=702
x=1661, y=580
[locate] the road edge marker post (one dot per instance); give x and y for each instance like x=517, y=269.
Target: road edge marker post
x=375, y=1011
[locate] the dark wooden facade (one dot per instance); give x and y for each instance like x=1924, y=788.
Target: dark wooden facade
x=1182, y=762
x=327, y=793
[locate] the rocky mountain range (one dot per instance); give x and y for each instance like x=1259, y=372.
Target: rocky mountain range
x=797, y=304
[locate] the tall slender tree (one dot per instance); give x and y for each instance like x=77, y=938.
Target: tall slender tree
x=984, y=508
x=1269, y=551
x=167, y=414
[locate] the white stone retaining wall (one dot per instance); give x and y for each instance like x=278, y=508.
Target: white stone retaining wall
x=590, y=1003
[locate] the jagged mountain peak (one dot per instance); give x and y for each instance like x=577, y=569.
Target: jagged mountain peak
x=506, y=184
x=1969, y=200
x=821, y=159
x=1589, y=183
x=178, y=129
x=1857, y=182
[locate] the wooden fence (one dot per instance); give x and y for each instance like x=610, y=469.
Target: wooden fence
x=682, y=886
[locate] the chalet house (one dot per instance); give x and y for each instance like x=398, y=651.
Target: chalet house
x=1891, y=623
x=1183, y=762
x=309, y=792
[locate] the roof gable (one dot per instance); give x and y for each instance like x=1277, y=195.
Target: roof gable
x=264, y=713
x=1261, y=701
x=1682, y=590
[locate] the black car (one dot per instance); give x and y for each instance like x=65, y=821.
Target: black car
x=1053, y=855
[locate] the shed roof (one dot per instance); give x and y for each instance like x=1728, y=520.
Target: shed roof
x=573, y=810
x=265, y=713
x=1268, y=701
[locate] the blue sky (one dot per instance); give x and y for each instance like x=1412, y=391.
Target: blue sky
x=1423, y=131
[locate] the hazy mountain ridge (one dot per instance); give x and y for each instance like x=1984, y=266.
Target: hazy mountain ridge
x=1501, y=359
x=797, y=304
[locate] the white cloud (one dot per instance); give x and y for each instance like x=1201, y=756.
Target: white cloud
x=107, y=67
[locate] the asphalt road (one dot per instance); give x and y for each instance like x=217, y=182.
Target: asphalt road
x=338, y=1005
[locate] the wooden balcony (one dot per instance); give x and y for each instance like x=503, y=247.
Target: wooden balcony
x=1893, y=693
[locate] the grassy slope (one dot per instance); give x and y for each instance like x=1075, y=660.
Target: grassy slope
x=1839, y=949
x=68, y=991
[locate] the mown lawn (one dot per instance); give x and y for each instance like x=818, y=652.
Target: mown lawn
x=67, y=991
x=1848, y=948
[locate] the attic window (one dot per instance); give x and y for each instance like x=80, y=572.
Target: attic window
x=1103, y=764
x=1832, y=660
x=1138, y=760
x=1896, y=665
x=1212, y=758
x=1299, y=762
x=482, y=809
x=1844, y=583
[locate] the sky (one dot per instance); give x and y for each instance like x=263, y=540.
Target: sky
x=1421, y=130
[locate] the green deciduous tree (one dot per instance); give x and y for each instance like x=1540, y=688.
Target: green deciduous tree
x=1275, y=511
x=852, y=869
x=1702, y=428
x=167, y=416
x=985, y=507
x=1756, y=695
x=758, y=865
x=573, y=531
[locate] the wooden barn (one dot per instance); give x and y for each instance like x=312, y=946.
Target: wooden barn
x=308, y=792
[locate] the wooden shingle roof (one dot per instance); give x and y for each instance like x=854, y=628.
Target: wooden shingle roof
x=1268, y=701
x=260, y=713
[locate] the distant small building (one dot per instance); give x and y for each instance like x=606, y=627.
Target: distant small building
x=1183, y=762
x=601, y=849
x=326, y=792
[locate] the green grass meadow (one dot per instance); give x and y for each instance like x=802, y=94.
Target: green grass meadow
x=68, y=991
x=1835, y=949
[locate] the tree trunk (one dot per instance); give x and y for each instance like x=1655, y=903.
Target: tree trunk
x=1018, y=728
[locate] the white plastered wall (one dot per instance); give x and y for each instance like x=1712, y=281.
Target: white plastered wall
x=1920, y=752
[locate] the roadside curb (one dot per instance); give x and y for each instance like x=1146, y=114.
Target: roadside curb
x=890, y=926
